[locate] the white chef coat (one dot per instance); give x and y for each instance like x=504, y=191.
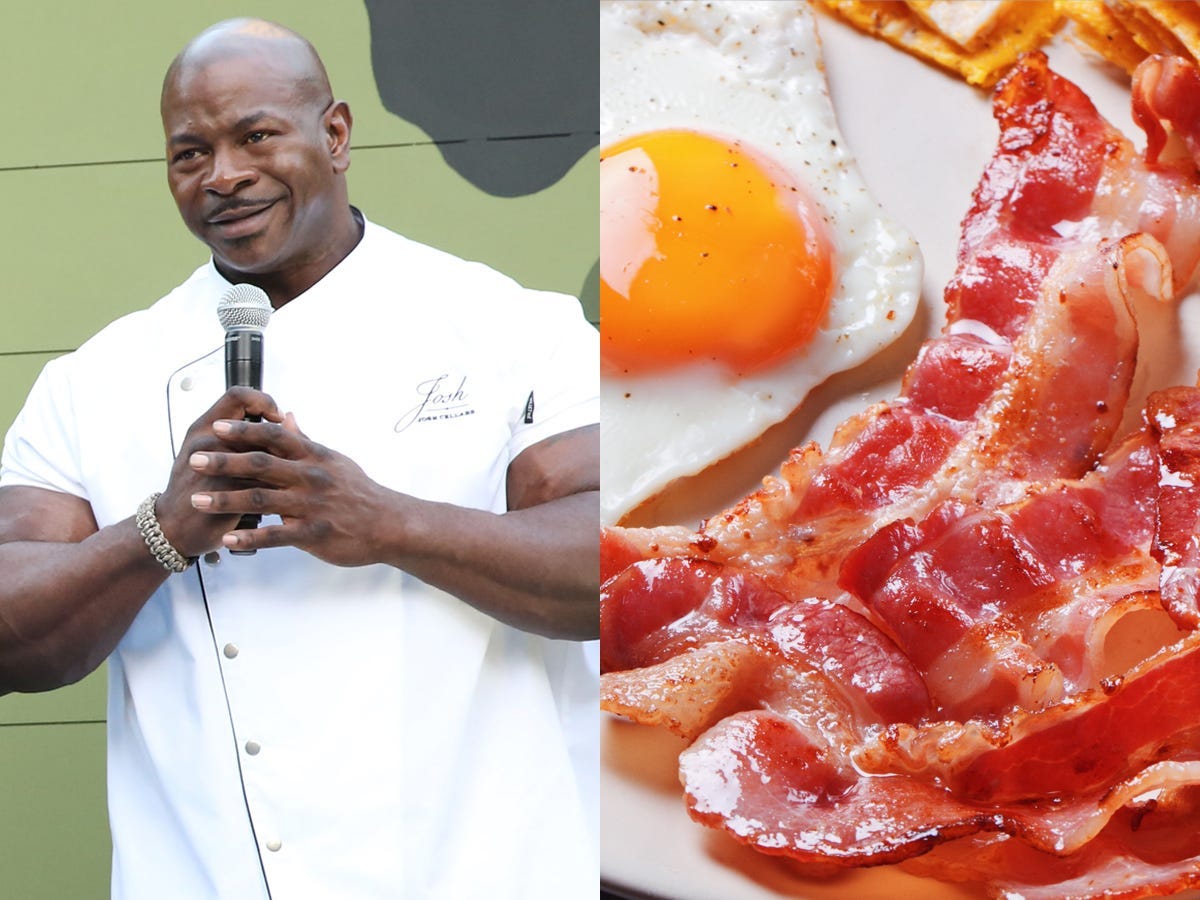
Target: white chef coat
x=279, y=727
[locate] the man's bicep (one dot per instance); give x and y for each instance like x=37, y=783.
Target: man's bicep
x=38, y=514
x=561, y=465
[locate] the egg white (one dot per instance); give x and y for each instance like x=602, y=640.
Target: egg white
x=750, y=72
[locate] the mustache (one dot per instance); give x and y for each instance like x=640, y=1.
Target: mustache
x=234, y=205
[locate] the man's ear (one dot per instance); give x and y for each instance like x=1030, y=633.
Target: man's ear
x=337, y=123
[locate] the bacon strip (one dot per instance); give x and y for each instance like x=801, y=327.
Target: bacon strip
x=873, y=819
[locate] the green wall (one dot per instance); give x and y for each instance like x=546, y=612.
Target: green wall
x=90, y=232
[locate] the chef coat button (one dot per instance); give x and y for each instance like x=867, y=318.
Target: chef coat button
x=230, y=651
x=274, y=844
x=186, y=383
x=252, y=747
x=212, y=557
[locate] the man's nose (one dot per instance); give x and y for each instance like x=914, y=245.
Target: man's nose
x=229, y=173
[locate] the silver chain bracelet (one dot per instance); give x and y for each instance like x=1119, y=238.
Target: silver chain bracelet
x=147, y=524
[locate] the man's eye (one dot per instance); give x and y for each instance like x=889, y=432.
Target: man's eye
x=256, y=137
x=185, y=155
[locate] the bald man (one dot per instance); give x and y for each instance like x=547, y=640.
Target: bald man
x=380, y=701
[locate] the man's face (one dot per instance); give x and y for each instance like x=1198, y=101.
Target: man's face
x=252, y=163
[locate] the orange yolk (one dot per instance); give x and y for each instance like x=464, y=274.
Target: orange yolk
x=707, y=252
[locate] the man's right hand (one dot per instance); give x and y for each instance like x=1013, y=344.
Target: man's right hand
x=188, y=531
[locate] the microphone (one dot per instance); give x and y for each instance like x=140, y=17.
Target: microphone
x=244, y=311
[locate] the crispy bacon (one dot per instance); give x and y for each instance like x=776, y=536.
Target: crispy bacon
x=1049, y=164
x=905, y=641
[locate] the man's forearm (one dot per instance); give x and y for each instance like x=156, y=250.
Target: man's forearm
x=64, y=606
x=536, y=569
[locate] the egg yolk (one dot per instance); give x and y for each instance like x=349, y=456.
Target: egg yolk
x=707, y=252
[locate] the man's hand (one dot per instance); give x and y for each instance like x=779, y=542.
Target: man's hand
x=323, y=497
x=189, y=533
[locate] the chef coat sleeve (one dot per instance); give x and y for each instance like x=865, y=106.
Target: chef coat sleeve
x=559, y=386
x=41, y=448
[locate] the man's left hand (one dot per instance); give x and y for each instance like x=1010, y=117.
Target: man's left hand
x=323, y=497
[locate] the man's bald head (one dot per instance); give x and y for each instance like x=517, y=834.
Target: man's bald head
x=274, y=44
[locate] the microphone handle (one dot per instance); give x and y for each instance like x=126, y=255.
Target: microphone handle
x=243, y=358
x=243, y=368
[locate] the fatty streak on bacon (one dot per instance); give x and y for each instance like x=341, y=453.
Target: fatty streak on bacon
x=783, y=770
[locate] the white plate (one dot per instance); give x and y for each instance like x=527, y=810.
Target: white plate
x=921, y=139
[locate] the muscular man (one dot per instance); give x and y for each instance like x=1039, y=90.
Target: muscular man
x=380, y=701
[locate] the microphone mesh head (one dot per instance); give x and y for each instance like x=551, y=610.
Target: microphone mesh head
x=244, y=306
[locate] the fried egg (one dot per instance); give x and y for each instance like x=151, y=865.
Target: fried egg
x=742, y=260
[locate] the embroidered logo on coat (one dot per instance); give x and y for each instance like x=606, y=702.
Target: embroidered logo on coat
x=441, y=398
